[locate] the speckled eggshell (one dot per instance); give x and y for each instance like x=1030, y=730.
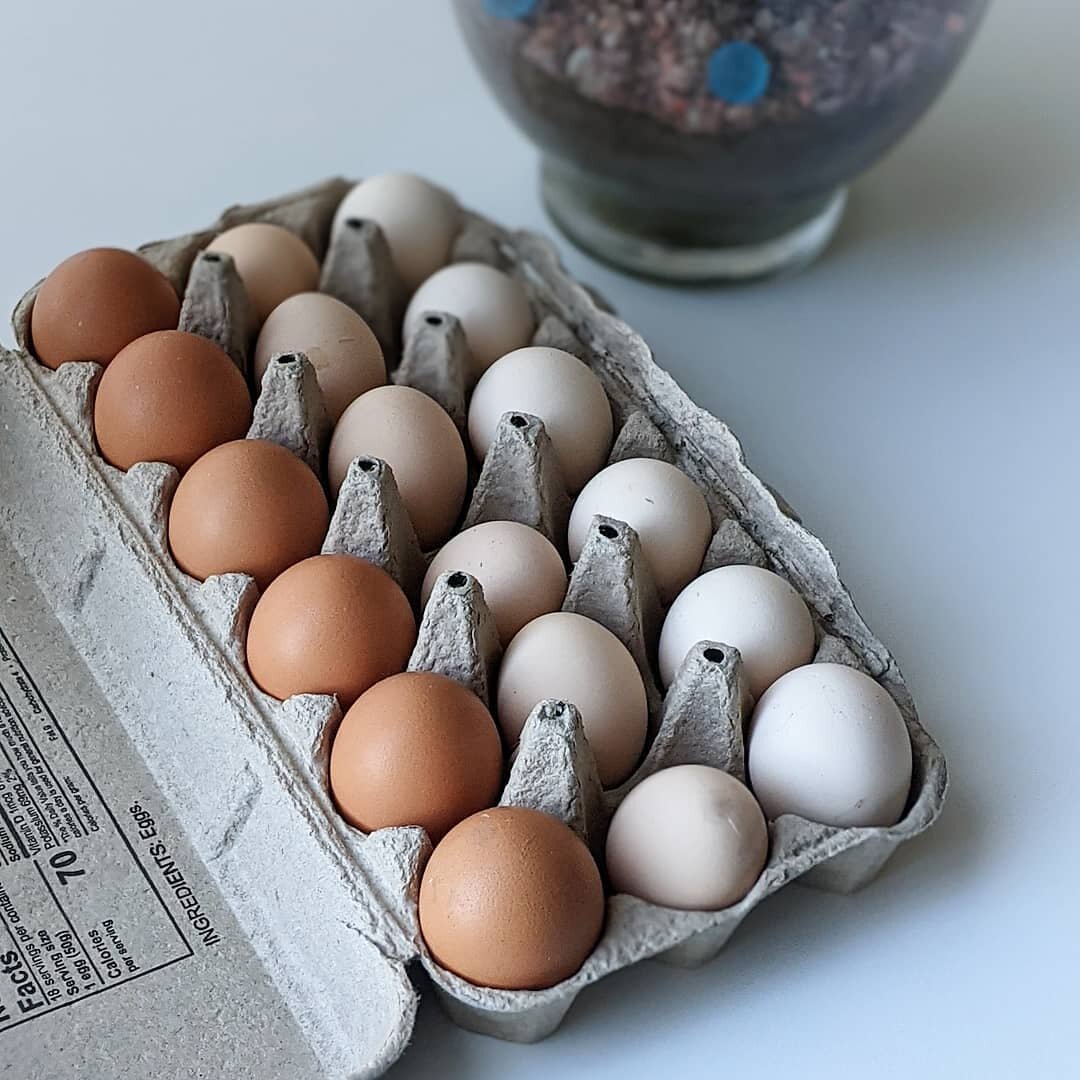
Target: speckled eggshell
x=511, y=899
x=491, y=306
x=96, y=303
x=688, y=837
x=416, y=749
x=418, y=219
x=273, y=263
x=560, y=390
x=662, y=505
x=346, y=355
x=571, y=658
x=247, y=507
x=828, y=743
x=751, y=609
x=169, y=396
x=520, y=571
x=418, y=440
x=332, y=624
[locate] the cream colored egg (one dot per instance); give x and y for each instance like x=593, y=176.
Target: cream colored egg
x=570, y=658
x=520, y=571
x=418, y=219
x=491, y=306
x=687, y=837
x=346, y=355
x=662, y=505
x=828, y=743
x=560, y=390
x=418, y=440
x=753, y=610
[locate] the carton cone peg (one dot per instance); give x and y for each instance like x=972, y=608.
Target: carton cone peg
x=216, y=307
x=639, y=437
x=290, y=409
x=458, y=637
x=732, y=545
x=436, y=360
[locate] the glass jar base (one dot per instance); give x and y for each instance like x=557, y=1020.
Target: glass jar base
x=791, y=250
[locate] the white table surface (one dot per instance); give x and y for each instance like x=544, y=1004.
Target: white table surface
x=915, y=395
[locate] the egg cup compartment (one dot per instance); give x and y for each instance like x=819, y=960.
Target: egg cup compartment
x=368, y=884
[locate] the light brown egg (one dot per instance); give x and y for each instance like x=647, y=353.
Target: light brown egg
x=511, y=899
x=247, y=507
x=418, y=440
x=95, y=303
x=332, y=624
x=346, y=355
x=416, y=749
x=272, y=262
x=169, y=396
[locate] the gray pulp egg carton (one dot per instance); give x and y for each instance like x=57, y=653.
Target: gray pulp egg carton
x=248, y=775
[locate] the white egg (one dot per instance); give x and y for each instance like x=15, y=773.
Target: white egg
x=829, y=744
x=688, y=837
x=662, y=505
x=560, y=390
x=520, y=571
x=750, y=609
x=418, y=219
x=570, y=658
x=491, y=306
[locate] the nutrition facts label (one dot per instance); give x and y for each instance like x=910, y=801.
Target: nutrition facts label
x=78, y=912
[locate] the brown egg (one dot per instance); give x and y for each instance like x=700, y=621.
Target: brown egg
x=95, y=303
x=273, y=263
x=416, y=749
x=333, y=624
x=169, y=396
x=247, y=507
x=511, y=899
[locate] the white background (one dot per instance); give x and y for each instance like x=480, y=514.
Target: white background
x=915, y=395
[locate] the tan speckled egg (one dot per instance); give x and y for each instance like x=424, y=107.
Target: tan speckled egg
x=520, y=571
x=247, y=507
x=273, y=263
x=491, y=306
x=332, y=624
x=418, y=219
x=574, y=659
x=687, y=837
x=346, y=355
x=169, y=397
x=560, y=390
x=416, y=749
x=97, y=302
x=511, y=899
x=418, y=440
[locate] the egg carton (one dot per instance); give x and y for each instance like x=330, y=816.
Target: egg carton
x=170, y=651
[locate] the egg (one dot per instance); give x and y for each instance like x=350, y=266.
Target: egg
x=491, y=306
x=169, y=396
x=332, y=624
x=511, y=899
x=418, y=219
x=346, y=355
x=688, y=837
x=520, y=571
x=662, y=505
x=97, y=302
x=273, y=263
x=828, y=743
x=750, y=609
x=416, y=749
x=560, y=390
x=571, y=658
x=418, y=440
x=247, y=507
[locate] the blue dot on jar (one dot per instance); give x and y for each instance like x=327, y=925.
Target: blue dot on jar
x=739, y=73
x=510, y=9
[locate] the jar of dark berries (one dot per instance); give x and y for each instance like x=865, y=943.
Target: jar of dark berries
x=712, y=139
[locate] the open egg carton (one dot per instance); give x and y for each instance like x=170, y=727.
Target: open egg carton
x=257, y=797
